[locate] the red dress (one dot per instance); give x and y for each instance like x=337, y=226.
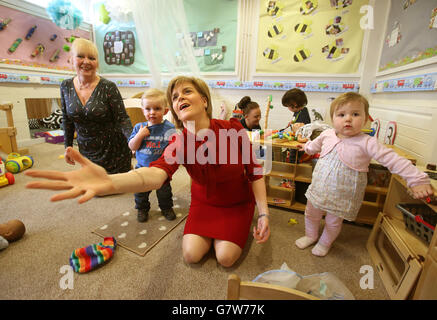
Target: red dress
x=222, y=201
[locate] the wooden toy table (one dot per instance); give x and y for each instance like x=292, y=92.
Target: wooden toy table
x=406, y=263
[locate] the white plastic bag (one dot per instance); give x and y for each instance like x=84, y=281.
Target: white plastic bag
x=325, y=285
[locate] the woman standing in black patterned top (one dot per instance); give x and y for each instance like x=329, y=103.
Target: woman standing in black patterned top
x=93, y=107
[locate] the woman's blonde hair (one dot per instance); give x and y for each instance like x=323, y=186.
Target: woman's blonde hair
x=157, y=94
x=199, y=85
x=84, y=46
x=348, y=97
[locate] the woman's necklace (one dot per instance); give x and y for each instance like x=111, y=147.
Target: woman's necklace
x=87, y=85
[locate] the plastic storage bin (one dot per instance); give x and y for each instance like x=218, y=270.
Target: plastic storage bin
x=419, y=218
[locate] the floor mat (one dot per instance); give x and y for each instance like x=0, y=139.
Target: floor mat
x=140, y=237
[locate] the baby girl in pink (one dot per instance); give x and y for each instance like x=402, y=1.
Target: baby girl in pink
x=340, y=176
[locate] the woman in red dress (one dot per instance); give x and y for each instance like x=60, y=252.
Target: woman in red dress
x=217, y=154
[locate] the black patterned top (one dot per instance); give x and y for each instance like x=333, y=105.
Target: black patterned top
x=102, y=125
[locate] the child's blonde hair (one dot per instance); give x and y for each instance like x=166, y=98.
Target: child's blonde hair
x=199, y=85
x=348, y=97
x=155, y=94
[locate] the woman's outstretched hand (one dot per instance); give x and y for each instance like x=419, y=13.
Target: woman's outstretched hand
x=261, y=232
x=87, y=182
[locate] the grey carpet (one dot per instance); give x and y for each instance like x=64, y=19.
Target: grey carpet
x=30, y=268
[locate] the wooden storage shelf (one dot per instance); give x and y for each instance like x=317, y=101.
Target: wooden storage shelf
x=302, y=172
x=281, y=174
x=281, y=188
x=406, y=263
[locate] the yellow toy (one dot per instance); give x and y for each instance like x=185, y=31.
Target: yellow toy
x=6, y=178
x=292, y=221
x=17, y=163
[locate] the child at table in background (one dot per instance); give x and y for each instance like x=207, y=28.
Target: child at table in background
x=296, y=100
x=340, y=175
x=149, y=139
x=251, y=114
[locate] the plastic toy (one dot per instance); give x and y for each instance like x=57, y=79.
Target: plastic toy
x=292, y=221
x=30, y=32
x=55, y=56
x=38, y=50
x=4, y=23
x=15, y=45
x=17, y=163
x=6, y=178
x=269, y=106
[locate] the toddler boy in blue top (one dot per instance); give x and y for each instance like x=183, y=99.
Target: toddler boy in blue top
x=148, y=140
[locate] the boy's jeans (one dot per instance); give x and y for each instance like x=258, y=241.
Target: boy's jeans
x=164, y=195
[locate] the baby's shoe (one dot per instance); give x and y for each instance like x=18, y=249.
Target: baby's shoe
x=169, y=214
x=304, y=242
x=320, y=250
x=143, y=215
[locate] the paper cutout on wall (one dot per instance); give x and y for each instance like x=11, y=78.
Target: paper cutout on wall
x=395, y=36
x=308, y=6
x=408, y=3
x=304, y=28
x=274, y=8
x=340, y=3
x=275, y=30
x=301, y=54
x=272, y=54
x=335, y=50
x=335, y=26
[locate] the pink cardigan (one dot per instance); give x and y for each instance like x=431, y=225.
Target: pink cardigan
x=356, y=153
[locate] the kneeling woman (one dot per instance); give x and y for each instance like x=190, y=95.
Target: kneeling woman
x=226, y=182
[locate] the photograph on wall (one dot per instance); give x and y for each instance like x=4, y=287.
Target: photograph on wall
x=310, y=36
x=407, y=19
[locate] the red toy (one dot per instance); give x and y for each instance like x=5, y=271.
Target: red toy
x=6, y=178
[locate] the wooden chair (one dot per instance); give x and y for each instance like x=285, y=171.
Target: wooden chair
x=248, y=290
x=135, y=113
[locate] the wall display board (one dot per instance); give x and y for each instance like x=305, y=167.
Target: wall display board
x=423, y=82
x=411, y=33
x=213, y=29
x=310, y=36
x=57, y=80
x=33, y=41
x=116, y=40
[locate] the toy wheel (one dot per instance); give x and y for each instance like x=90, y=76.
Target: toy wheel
x=13, y=155
x=13, y=166
x=10, y=177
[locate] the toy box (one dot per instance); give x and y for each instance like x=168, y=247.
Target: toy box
x=419, y=218
x=55, y=136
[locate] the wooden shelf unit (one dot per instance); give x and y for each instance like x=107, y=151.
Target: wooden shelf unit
x=373, y=201
x=406, y=264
